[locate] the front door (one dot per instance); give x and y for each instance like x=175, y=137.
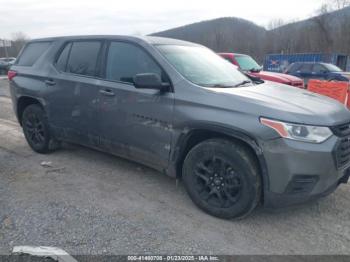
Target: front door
x=136, y=123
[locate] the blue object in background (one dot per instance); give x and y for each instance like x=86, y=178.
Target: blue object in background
x=279, y=62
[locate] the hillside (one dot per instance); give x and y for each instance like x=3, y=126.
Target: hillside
x=325, y=33
x=222, y=34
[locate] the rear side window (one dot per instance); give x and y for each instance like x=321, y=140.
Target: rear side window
x=293, y=68
x=32, y=52
x=319, y=68
x=307, y=68
x=126, y=60
x=83, y=58
x=62, y=60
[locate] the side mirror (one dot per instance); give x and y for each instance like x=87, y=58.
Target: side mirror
x=256, y=70
x=150, y=81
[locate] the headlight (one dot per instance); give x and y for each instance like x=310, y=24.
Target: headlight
x=311, y=134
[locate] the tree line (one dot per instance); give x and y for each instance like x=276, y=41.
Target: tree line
x=18, y=40
x=326, y=32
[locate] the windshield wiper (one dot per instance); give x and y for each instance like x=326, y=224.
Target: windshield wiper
x=243, y=83
x=218, y=85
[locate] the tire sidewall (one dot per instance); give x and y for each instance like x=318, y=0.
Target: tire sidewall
x=240, y=159
x=40, y=114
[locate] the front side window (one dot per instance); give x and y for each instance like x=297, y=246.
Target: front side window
x=32, y=52
x=202, y=66
x=83, y=58
x=125, y=60
x=319, y=69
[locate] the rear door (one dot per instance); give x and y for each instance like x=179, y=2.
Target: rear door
x=134, y=122
x=74, y=91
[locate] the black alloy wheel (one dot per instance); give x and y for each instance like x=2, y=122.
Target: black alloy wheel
x=222, y=178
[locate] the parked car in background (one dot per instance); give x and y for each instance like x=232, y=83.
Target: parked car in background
x=5, y=64
x=248, y=65
x=321, y=71
x=178, y=107
x=279, y=62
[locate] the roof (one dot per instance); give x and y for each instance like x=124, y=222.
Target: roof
x=234, y=54
x=310, y=62
x=153, y=40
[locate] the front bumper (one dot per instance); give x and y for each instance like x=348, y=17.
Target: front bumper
x=298, y=171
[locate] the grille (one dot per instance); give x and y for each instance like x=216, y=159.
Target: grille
x=342, y=130
x=342, y=151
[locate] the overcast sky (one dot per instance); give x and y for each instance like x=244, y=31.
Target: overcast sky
x=41, y=18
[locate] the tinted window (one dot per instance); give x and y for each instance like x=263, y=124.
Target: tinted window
x=32, y=52
x=63, y=58
x=306, y=68
x=126, y=60
x=83, y=58
x=319, y=68
x=293, y=68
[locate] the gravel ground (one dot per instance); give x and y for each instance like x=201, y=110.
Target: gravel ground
x=88, y=202
x=3, y=86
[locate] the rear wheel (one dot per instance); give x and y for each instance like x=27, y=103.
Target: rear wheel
x=222, y=178
x=36, y=130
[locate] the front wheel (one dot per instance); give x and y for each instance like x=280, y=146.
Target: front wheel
x=36, y=130
x=222, y=178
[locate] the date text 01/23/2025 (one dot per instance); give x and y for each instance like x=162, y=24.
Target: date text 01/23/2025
x=173, y=258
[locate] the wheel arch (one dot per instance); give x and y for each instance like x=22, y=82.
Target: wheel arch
x=23, y=102
x=193, y=136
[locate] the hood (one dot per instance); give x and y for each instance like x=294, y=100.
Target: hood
x=279, y=76
x=286, y=103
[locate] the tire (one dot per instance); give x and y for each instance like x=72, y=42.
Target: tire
x=36, y=130
x=222, y=178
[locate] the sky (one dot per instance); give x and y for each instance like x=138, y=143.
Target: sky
x=43, y=18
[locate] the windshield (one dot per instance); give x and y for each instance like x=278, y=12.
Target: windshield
x=333, y=68
x=246, y=63
x=202, y=66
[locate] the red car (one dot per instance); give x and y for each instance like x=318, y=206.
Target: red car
x=251, y=67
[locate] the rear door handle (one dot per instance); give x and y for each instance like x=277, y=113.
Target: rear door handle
x=107, y=92
x=50, y=82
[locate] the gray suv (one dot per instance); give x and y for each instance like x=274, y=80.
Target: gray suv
x=181, y=109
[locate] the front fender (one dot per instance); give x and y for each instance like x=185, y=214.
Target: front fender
x=183, y=136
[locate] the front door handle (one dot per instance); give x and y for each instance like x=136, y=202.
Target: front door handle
x=50, y=82
x=107, y=92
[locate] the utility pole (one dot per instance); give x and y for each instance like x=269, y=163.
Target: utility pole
x=4, y=43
